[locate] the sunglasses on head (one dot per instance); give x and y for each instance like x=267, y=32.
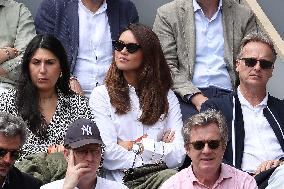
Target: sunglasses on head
x=200, y=144
x=264, y=64
x=15, y=154
x=131, y=47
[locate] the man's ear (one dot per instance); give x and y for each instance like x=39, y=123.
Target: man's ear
x=272, y=69
x=186, y=147
x=237, y=65
x=66, y=153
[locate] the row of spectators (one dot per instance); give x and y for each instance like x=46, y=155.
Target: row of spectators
x=200, y=55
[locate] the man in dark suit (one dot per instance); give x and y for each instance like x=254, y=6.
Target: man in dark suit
x=255, y=118
x=86, y=28
x=13, y=135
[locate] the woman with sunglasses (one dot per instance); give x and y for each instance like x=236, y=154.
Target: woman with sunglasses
x=43, y=97
x=138, y=115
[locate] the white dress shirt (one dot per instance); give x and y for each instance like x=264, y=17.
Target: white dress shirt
x=210, y=68
x=260, y=142
x=95, y=47
x=101, y=184
x=127, y=127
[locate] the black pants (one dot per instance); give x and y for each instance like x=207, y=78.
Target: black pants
x=188, y=109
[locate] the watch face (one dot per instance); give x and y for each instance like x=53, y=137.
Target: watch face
x=135, y=147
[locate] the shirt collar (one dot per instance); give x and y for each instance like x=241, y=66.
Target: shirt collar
x=102, y=8
x=197, y=7
x=244, y=101
x=225, y=174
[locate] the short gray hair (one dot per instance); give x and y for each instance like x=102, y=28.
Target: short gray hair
x=257, y=36
x=203, y=119
x=12, y=126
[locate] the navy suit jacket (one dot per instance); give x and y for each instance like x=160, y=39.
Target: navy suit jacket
x=273, y=113
x=61, y=19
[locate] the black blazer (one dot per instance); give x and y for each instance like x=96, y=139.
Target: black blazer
x=274, y=113
x=18, y=179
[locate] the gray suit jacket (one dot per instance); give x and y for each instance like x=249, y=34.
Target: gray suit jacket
x=16, y=30
x=175, y=27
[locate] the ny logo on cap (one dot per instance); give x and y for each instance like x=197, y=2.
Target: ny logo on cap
x=87, y=129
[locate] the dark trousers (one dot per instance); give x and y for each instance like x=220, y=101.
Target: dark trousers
x=188, y=109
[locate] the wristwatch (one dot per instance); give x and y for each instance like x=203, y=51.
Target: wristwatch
x=137, y=148
x=189, y=96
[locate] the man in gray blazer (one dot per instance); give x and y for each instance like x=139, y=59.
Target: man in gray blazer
x=200, y=40
x=16, y=30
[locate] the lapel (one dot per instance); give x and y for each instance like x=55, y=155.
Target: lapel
x=113, y=17
x=72, y=27
x=228, y=28
x=239, y=132
x=272, y=116
x=186, y=14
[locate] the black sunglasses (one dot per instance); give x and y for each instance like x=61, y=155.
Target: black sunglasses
x=212, y=144
x=264, y=64
x=15, y=154
x=131, y=47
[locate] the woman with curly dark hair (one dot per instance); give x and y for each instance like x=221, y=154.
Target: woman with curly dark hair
x=43, y=97
x=138, y=115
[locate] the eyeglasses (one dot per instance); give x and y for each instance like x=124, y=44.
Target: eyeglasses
x=212, y=144
x=131, y=47
x=15, y=154
x=82, y=153
x=264, y=64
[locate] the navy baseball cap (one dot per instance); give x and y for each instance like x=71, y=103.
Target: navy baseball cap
x=81, y=132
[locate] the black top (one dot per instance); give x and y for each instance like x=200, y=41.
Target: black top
x=19, y=180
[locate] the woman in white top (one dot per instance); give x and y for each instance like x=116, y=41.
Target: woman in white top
x=138, y=115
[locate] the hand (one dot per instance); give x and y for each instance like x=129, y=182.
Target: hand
x=76, y=87
x=4, y=56
x=13, y=52
x=74, y=172
x=197, y=100
x=267, y=165
x=55, y=148
x=169, y=136
x=125, y=144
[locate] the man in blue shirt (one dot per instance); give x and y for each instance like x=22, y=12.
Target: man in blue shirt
x=86, y=28
x=200, y=40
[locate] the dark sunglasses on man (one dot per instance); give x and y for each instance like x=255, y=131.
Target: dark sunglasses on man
x=200, y=144
x=15, y=154
x=131, y=47
x=264, y=64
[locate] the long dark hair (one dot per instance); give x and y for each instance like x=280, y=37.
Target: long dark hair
x=27, y=97
x=154, y=79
